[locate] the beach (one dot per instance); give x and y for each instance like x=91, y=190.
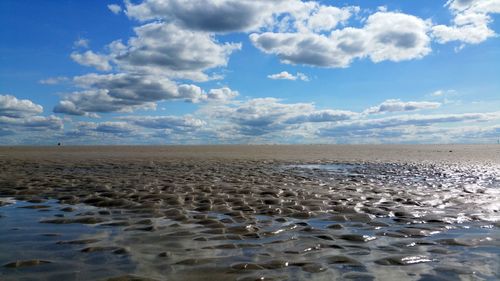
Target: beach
x=250, y=212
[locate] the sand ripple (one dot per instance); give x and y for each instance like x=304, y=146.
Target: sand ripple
x=247, y=220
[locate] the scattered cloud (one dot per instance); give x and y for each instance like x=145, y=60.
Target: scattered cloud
x=284, y=75
x=174, y=123
x=212, y=16
x=110, y=130
x=33, y=122
x=12, y=107
x=115, y=8
x=177, y=44
x=221, y=94
x=471, y=22
x=81, y=43
x=395, y=105
x=116, y=93
x=54, y=80
x=104, y=93
x=22, y=115
x=366, y=127
x=261, y=116
x=438, y=93
x=187, y=55
x=92, y=59
x=385, y=36
x=129, y=87
x=328, y=115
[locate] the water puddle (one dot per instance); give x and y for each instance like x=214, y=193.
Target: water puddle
x=31, y=250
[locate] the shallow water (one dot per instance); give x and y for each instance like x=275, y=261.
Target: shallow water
x=246, y=221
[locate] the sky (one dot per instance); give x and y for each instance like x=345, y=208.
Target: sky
x=249, y=72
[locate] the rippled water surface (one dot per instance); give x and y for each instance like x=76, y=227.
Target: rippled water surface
x=251, y=221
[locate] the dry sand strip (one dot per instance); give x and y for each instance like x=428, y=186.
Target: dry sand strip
x=341, y=153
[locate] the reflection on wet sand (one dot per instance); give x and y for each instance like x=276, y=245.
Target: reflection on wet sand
x=248, y=220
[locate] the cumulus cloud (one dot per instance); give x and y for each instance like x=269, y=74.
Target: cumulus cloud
x=366, y=126
x=103, y=93
x=32, y=123
x=261, y=116
x=211, y=16
x=21, y=116
x=116, y=93
x=115, y=8
x=89, y=103
x=195, y=94
x=186, y=55
x=268, y=119
x=110, y=127
x=385, y=36
x=12, y=107
x=284, y=75
x=242, y=15
x=395, y=105
x=256, y=116
x=191, y=93
x=326, y=18
x=471, y=22
x=221, y=94
x=319, y=116
x=92, y=59
x=129, y=87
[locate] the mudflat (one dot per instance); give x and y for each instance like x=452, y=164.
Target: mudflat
x=266, y=212
x=351, y=153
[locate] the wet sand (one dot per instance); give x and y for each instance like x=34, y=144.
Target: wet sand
x=250, y=212
x=340, y=153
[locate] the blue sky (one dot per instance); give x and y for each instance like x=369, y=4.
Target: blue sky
x=228, y=71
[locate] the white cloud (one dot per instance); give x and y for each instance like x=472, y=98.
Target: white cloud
x=32, y=123
x=326, y=18
x=379, y=126
x=395, y=105
x=214, y=16
x=92, y=59
x=468, y=28
x=20, y=116
x=116, y=93
x=284, y=75
x=81, y=43
x=319, y=116
x=91, y=102
x=130, y=87
x=269, y=116
x=221, y=94
x=125, y=92
x=191, y=93
x=175, y=123
x=13, y=107
x=115, y=8
x=438, y=93
x=385, y=36
x=104, y=132
x=471, y=23
x=54, y=80
x=187, y=55
x=195, y=94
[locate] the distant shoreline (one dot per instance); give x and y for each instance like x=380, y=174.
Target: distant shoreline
x=455, y=153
